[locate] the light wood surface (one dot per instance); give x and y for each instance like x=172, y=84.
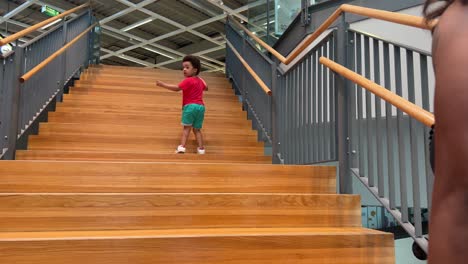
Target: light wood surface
x=239, y=245
x=150, y=156
x=77, y=211
x=114, y=177
x=101, y=184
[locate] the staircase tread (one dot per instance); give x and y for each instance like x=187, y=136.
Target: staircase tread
x=202, y=232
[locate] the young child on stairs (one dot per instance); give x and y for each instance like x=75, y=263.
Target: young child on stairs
x=193, y=107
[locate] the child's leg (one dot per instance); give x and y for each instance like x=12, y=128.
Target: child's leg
x=185, y=135
x=199, y=136
x=194, y=133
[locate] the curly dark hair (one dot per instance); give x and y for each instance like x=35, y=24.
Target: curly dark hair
x=194, y=61
x=435, y=13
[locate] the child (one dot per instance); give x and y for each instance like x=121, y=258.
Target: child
x=193, y=108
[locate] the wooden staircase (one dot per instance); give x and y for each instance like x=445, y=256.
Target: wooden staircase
x=100, y=184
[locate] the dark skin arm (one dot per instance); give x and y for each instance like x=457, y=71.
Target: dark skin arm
x=449, y=217
x=206, y=85
x=168, y=86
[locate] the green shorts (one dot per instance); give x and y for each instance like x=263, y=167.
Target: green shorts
x=193, y=115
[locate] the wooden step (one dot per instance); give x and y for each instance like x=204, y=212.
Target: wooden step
x=234, y=245
x=135, y=119
x=153, y=156
x=162, y=146
x=150, y=107
x=113, y=177
x=156, y=112
x=143, y=91
x=152, y=138
x=142, y=129
x=146, y=88
x=77, y=211
x=154, y=142
x=175, y=98
x=216, y=85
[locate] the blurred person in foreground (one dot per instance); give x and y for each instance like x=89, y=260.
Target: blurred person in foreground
x=448, y=231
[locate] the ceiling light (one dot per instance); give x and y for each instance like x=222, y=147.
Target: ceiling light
x=158, y=52
x=137, y=24
x=51, y=24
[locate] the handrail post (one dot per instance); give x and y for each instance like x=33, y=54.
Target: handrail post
x=12, y=105
x=343, y=111
x=63, y=70
x=90, y=40
x=274, y=117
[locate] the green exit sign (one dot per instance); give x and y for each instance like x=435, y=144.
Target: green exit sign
x=49, y=11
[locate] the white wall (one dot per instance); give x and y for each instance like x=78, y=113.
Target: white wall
x=406, y=35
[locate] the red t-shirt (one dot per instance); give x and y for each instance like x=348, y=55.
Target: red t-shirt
x=192, y=90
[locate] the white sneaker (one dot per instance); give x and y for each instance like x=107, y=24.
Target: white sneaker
x=180, y=149
x=200, y=151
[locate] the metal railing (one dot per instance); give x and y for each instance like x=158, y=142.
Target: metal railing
x=255, y=96
x=306, y=98
x=318, y=116
x=34, y=76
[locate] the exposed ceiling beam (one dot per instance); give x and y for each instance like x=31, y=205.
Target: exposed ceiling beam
x=196, y=54
x=17, y=10
x=229, y=10
x=173, y=33
x=139, y=42
x=200, y=7
x=117, y=53
x=171, y=22
x=131, y=8
x=133, y=59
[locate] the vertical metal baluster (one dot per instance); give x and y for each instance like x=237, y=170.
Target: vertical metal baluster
x=314, y=106
x=308, y=138
x=401, y=142
x=390, y=131
x=303, y=110
x=295, y=114
x=426, y=106
x=370, y=131
x=320, y=109
x=301, y=114
x=378, y=116
x=414, y=147
x=288, y=118
x=333, y=96
x=310, y=90
x=362, y=152
x=354, y=136
x=326, y=132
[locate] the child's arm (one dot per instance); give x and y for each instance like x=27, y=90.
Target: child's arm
x=168, y=86
x=206, y=85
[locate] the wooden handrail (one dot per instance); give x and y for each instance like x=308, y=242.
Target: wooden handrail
x=39, y=25
x=402, y=19
x=314, y=35
x=404, y=105
x=44, y=63
x=261, y=42
x=250, y=70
